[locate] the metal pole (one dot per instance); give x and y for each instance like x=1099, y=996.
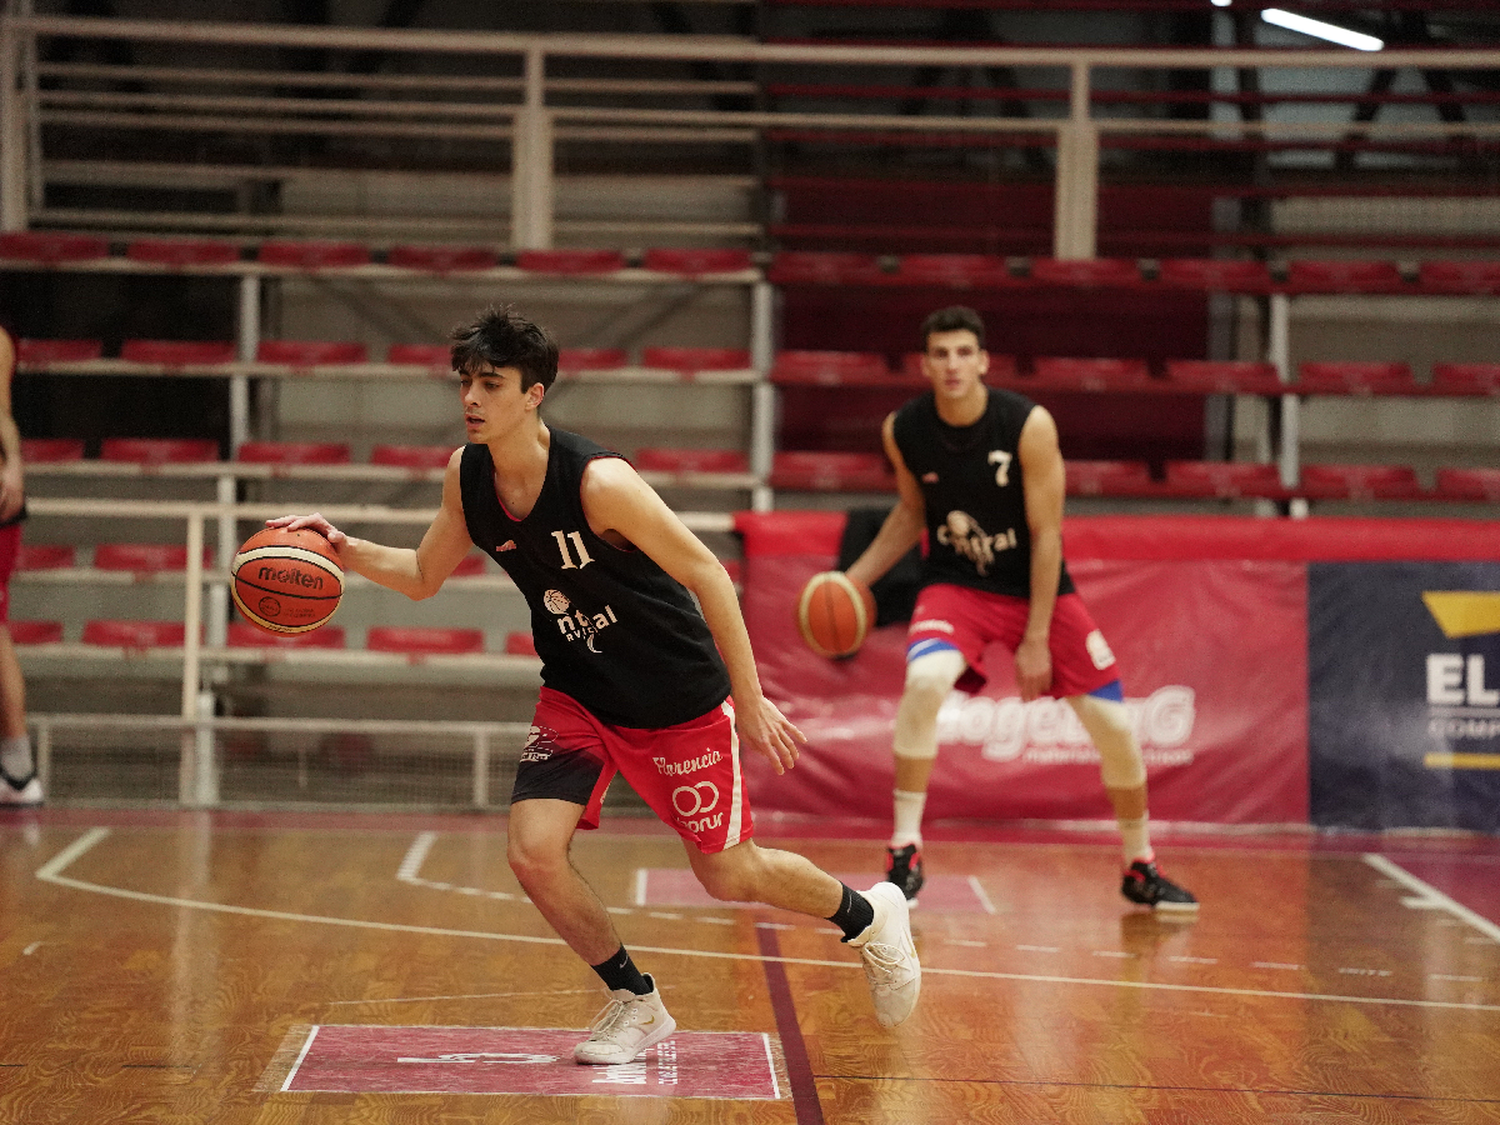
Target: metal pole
x=1076, y=192
x=531, y=163
x=762, y=394
x=481, y=769
x=13, y=210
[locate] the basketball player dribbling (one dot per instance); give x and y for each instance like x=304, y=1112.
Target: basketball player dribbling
x=635, y=679
x=980, y=472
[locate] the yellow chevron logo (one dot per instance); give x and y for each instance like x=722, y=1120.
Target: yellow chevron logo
x=1464, y=613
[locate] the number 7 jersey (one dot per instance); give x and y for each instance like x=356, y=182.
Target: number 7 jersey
x=972, y=487
x=614, y=630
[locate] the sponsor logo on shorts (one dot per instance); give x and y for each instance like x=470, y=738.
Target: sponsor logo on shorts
x=538, y=747
x=692, y=765
x=695, y=804
x=1099, y=651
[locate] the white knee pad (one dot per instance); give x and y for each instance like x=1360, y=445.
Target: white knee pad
x=929, y=679
x=1108, y=724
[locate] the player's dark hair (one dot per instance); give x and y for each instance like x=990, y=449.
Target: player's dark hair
x=502, y=338
x=955, y=318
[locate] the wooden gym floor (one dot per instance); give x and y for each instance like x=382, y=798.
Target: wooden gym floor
x=299, y=969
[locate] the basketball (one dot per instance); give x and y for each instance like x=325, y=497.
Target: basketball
x=286, y=581
x=834, y=613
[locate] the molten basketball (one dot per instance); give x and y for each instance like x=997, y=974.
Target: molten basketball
x=834, y=613
x=286, y=581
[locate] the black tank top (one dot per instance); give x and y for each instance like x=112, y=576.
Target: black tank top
x=614, y=630
x=970, y=478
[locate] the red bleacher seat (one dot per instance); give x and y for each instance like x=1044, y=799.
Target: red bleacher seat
x=1224, y=377
x=311, y=353
x=182, y=251
x=293, y=453
x=1087, y=271
x=1340, y=276
x=159, y=451
x=412, y=456
x=691, y=460
x=178, y=353
x=1466, y=378
x=424, y=641
x=1354, y=378
x=570, y=361
x=37, y=352
x=313, y=255
x=959, y=271
x=144, y=558
x=1107, y=478
x=436, y=356
x=696, y=359
x=35, y=632
x=735, y=568
x=134, y=634
x=46, y=556
x=1459, y=277
x=1229, y=275
x=1061, y=373
x=1226, y=479
x=793, y=267
x=812, y=471
x=692, y=262
x=1002, y=368
x=50, y=247
x=520, y=644
x=1469, y=484
x=242, y=634
x=442, y=259
x=471, y=565
x=51, y=449
x=571, y=261
x=1358, y=482
x=828, y=368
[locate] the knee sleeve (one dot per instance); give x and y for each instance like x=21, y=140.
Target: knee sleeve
x=929, y=679
x=1108, y=724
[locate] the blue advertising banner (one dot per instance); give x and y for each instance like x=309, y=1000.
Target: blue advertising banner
x=1404, y=694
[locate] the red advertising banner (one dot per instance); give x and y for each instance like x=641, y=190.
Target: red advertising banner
x=1214, y=661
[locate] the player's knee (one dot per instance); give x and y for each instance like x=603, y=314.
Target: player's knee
x=533, y=859
x=930, y=677
x=729, y=878
x=1108, y=723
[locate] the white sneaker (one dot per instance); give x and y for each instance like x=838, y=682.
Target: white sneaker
x=20, y=794
x=890, y=957
x=627, y=1026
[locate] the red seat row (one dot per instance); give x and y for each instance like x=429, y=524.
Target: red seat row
x=1240, y=480
x=54, y=248
x=414, y=642
x=148, y=558
x=1066, y=373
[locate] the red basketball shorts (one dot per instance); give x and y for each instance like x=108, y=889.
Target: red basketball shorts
x=689, y=774
x=10, y=548
x=972, y=620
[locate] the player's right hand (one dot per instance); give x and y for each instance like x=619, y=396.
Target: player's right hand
x=315, y=521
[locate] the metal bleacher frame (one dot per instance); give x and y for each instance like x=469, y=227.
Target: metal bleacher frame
x=521, y=112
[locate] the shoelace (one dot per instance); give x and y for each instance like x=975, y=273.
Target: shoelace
x=886, y=961
x=614, y=1017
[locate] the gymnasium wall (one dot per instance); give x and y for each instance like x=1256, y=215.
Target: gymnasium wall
x=1343, y=673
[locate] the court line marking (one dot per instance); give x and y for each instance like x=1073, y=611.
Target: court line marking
x=1433, y=898
x=51, y=872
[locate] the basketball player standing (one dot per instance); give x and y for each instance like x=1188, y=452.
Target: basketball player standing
x=979, y=470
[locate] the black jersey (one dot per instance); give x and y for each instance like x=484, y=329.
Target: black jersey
x=614, y=630
x=970, y=476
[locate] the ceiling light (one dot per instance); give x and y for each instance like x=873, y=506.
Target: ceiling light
x=1320, y=30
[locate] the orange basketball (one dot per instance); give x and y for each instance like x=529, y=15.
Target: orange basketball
x=834, y=613
x=286, y=581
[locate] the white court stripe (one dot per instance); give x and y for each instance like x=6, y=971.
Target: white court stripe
x=49, y=873
x=1434, y=896
x=416, y=855
x=302, y=1054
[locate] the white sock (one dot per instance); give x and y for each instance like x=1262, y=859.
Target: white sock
x=1135, y=841
x=15, y=757
x=909, y=808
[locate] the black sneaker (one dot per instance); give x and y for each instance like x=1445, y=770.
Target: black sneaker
x=903, y=866
x=1145, y=885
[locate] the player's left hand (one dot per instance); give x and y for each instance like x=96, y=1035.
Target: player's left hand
x=763, y=727
x=1033, y=668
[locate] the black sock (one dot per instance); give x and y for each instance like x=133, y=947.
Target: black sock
x=620, y=972
x=854, y=914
